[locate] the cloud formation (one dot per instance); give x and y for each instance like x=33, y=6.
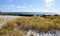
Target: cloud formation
x=15, y=6
x=8, y=5
x=30, y=5
x=49, y=3
x=10, y=0
x=23, y=7
x=12, y=5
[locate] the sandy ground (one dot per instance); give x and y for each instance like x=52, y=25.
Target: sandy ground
x=5, y=18
x=8, y=16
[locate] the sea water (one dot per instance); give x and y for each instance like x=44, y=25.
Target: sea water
x=34, y=13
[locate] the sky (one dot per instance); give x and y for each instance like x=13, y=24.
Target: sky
x=30, y=6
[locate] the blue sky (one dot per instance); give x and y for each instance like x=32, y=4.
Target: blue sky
x=30, y=5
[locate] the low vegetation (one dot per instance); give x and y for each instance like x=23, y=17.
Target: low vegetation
x=0, y=19
x=10, y=29
x=19, y=26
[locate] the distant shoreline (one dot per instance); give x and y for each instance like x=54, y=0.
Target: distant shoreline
x=42, y=14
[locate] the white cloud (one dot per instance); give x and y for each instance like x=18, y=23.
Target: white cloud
x=41, y=0
x=57, y=11
x=12, y=5
x=8, y=5
x=30, y=5
x=22, y=7
x=10, y=0
x=49, y=3
x=5, y=6
x=39, y=10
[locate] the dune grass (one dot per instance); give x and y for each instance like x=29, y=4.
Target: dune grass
x=10, y=29
x=19, y=26
x=35, y=23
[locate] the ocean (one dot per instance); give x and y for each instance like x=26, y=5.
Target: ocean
x=33, y=13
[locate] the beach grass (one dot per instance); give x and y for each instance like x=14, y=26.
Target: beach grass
x=19, y=26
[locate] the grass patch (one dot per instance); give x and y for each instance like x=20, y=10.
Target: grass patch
x=18, y=26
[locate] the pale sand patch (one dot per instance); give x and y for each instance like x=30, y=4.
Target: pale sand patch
x=5, y=18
